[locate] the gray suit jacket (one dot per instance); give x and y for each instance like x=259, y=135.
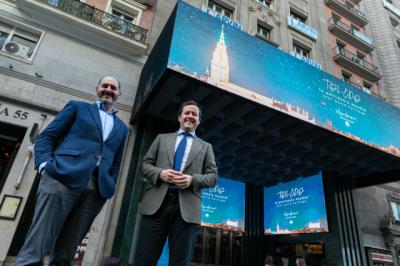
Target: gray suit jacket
x=200, y=164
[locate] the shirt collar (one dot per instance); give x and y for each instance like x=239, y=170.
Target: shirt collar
x=101, y=107
x=193, y=134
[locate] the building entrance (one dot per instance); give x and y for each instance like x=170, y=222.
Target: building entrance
x=217, y=247
x=11, y=137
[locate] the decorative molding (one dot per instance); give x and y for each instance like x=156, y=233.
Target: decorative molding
x=57, y=87
x=264, y=9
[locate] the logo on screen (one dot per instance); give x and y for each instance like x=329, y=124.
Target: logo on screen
x=216, y=189
x=294, y=192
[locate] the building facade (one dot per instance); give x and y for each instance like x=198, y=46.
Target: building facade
x=53, y=51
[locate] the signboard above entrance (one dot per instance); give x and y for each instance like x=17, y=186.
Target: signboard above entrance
x=212, y=51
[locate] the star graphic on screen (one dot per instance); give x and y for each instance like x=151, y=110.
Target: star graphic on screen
x=207, y=215
x=291, y=222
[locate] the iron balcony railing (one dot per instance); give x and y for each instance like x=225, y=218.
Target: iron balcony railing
x=350, y=7
x=354, y=58
x=350, y=30
x=99, y=17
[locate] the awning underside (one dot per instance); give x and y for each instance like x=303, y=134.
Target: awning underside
x=256, y=144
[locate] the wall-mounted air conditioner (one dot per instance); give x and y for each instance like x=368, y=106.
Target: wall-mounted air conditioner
x=17, y=49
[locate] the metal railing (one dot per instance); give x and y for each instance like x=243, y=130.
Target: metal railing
x=350, y=7
x=350, y=30
x=354, y=58
x=99, y=17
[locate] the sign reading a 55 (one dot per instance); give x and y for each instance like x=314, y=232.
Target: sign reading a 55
x=17, y=114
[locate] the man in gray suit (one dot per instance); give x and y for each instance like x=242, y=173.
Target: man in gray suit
x=177, y=166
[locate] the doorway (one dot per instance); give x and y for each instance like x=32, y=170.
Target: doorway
x=11, y=137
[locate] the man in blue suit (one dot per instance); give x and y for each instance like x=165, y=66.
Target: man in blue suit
x=78, y=156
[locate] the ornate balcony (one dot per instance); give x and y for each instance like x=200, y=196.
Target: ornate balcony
x=348, y=10
x=147, y=2
x=357, y=65
x=351, y=35
x=88, y=24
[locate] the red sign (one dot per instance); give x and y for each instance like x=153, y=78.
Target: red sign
x=381, y=257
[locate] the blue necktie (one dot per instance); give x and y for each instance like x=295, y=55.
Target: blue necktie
x=180, y=151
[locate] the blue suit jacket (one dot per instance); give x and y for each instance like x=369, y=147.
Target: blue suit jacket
x=72, y=144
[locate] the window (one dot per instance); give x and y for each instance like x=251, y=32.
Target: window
x=130, y=11
x=394, y=22
x=19, y=41
x=367, y=87
x=301, y=50
x=265, y=2
x=341, y=48
x=264, y=32
x=132, y=18
x=395, y=210
x=335, y=18
x=359, y=58
x=346, y=77
x=354, y=28
x=349, y=5
x=298, y=16
x=220, y=9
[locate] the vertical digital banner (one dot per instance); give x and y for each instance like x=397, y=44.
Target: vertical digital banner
x=295, y=207
x=223, y=205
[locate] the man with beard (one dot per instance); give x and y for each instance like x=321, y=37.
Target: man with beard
x=78, y=157
x=177, y=166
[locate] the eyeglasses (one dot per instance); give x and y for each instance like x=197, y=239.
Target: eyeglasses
x=105, y=86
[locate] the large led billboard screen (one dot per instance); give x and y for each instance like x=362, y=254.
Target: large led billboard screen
x=295, y=207
x=214, y=50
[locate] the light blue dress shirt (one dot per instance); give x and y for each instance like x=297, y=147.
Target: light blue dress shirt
x=107, y=124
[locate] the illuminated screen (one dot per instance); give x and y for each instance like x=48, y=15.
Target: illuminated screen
x=295, y=207
x=222, y=207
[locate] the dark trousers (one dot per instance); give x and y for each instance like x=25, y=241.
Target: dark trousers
x=166, y=222
x=62, y=217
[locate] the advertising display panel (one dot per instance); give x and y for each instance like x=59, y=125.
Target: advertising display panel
x=223, y=205
x=213, y=49
x=222, y=208
x=295, y=207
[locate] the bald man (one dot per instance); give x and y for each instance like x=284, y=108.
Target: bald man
x=78, y=157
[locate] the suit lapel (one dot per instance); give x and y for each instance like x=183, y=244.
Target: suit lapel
x=194, y=151
x=94, y=111
x=115, y=129
x=170, y=142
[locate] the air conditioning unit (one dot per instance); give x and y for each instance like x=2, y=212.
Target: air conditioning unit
x=17, y=49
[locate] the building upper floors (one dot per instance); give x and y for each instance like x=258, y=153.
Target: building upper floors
x=331, y=35
x=338, y=39
x=66, y=46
